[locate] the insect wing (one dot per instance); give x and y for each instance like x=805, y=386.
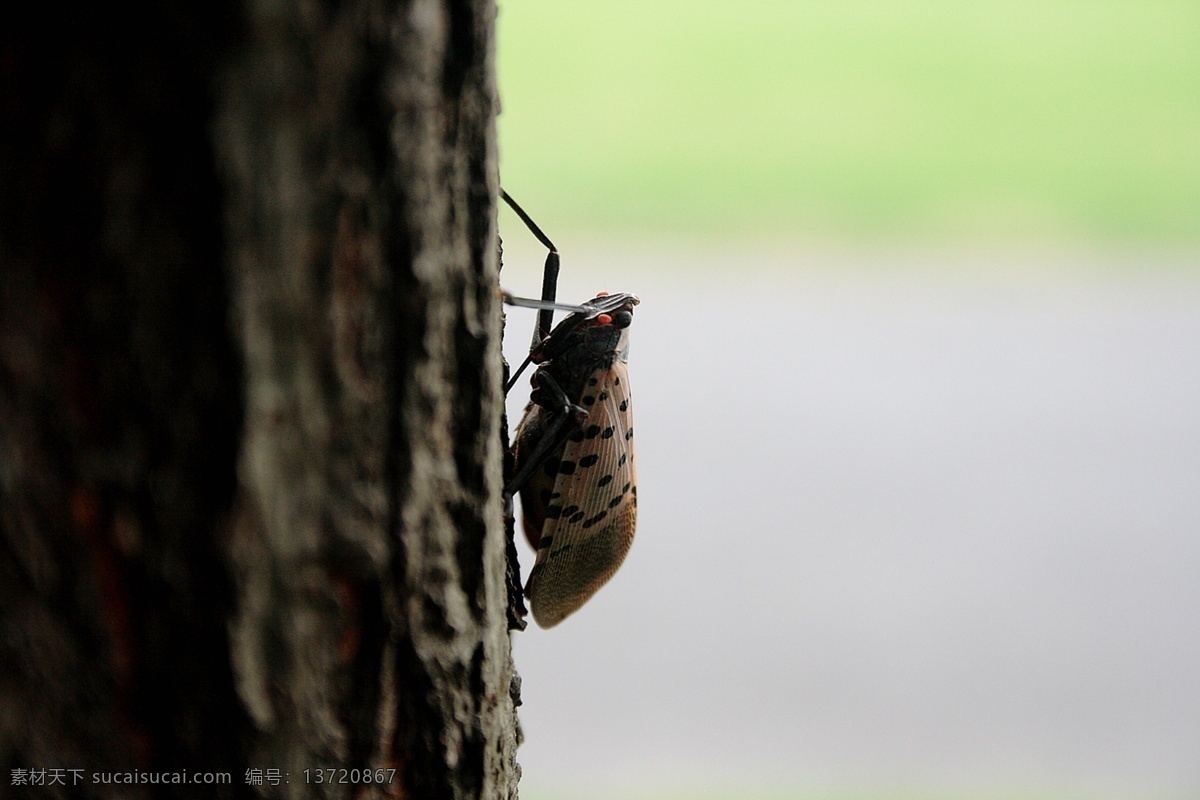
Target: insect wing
x=592, y=509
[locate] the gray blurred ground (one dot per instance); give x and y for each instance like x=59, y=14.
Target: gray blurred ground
x=917, y=520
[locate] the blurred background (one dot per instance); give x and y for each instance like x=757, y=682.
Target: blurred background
x=917, y=383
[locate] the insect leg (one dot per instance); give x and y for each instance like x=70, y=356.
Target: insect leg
x=525, y=302
x=559, y=429
x=549, y=273
x=529, y=302
x=567, y=417
x=516, y=610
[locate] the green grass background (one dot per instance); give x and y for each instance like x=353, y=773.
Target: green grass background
x=855, y=119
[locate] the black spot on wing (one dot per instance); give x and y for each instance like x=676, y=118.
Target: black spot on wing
x=607, y=479
x=590, y=522
x=589, y=460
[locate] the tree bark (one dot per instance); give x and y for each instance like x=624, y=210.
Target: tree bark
x=365, y=246
x=250, y=403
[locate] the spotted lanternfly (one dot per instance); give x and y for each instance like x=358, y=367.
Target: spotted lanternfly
x=573, y=453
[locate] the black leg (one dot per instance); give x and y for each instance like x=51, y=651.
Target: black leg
x=566, y=418
x=549, y=273
x=550, y=395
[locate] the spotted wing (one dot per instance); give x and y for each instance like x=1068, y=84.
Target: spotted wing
x=592, y=509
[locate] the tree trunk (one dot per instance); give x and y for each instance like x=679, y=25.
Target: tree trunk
x=250, y=402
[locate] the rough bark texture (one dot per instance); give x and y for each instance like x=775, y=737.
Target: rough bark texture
x=249, y=436
x=366, y=265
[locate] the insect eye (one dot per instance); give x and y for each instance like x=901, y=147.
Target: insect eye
x=623, y=319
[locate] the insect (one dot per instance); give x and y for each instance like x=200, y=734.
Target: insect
x=573, y=459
